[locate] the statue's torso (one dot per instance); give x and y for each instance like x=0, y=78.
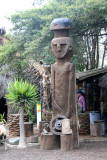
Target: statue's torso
x=61, y=80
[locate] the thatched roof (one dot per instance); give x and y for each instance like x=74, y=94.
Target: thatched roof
x=103, y=81
x=34, y=72
x=91, y=73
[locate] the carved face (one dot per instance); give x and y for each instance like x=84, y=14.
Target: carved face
x=61, y=46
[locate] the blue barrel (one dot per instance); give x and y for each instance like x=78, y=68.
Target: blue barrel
x=94, y=116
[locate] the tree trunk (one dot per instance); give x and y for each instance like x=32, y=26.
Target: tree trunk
x=93, y=52
x=97, y=64
x=104, y=54
x=22, y=142
x=89, y=53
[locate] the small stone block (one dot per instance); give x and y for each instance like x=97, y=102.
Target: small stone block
x=32, y=139
x=14, y=141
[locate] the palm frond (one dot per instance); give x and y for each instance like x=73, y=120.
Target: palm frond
x=21, y=92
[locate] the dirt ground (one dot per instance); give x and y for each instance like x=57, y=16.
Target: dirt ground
x=86, y=151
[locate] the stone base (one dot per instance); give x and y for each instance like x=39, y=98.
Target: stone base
x=49, y=141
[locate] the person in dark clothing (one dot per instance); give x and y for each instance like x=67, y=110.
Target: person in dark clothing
x=104, y=100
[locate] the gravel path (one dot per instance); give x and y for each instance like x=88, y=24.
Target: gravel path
x=86, y=151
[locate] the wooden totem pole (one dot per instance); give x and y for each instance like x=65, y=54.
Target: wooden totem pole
x=63, y=79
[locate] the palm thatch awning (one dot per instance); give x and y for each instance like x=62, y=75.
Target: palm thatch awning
x=103, y=81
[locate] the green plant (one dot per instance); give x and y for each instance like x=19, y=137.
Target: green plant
x=2, y=119
x=23, y=95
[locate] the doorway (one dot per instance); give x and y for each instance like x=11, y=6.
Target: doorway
x=3, y=107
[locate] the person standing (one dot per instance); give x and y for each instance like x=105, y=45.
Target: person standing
x=104, y=100
x=81, y=101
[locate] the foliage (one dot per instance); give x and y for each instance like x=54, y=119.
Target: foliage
x=31, y=35
x=2, y=119
x=11, y=55
x=22, y=94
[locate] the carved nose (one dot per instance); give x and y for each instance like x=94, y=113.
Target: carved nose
x=58, y=47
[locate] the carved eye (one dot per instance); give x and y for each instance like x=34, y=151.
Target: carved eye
x=70, y=47
x=54, y=46
x=63, y=45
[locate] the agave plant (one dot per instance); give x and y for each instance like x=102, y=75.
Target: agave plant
x=23, y=95
x=2, y=119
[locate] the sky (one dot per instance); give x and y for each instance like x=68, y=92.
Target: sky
x=9, y=7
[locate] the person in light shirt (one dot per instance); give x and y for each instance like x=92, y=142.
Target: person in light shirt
x=81, y=101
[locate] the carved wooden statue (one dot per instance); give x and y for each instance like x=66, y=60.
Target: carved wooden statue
x=63, y=76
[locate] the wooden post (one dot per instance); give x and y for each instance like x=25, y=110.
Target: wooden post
x=67, y=142
x=28, y=126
